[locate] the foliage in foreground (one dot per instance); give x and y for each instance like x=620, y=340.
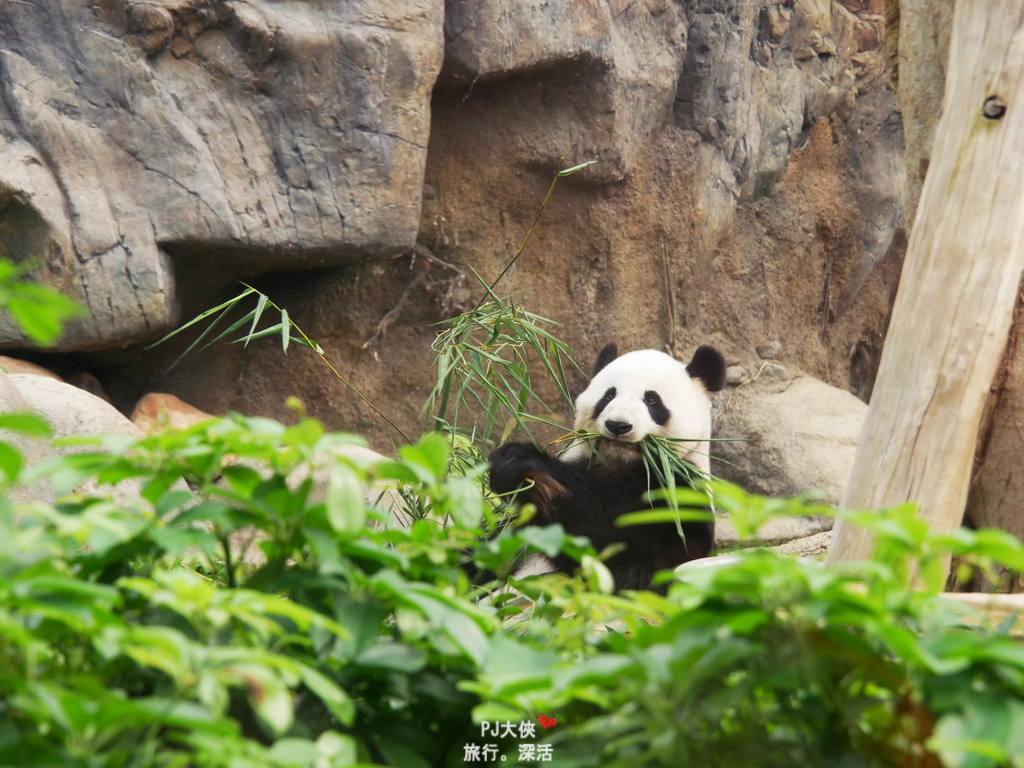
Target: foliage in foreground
x=130, y=634
x=133, y=633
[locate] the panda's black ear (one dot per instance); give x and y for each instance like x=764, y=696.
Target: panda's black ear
x=708, y=365
x=605, y=356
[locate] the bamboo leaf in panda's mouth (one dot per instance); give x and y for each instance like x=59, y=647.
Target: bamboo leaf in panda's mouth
x=661, y=458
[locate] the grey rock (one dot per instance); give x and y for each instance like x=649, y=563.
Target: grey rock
x=777, y=371
x=32, y=449
x=815, y=546
x=792, y=437
x=776, y=531
x=606, y=74
x=10, y=396
x=14, y=365
x=736, y=375
x=770, y=350
x=252, y=135
x=71, y=412
x=262, y=135
x=756, y=75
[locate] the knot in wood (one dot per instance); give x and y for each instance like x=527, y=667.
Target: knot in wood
x=993, y=108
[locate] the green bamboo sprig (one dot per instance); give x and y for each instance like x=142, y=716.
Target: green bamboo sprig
x=285, y=329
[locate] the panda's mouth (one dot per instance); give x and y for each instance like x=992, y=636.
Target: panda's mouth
x=614, y=450
x=619, y=442
x=627, y=440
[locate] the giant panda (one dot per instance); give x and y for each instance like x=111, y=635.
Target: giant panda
x=629, y=397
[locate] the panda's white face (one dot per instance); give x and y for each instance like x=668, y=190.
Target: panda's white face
x=646, y=393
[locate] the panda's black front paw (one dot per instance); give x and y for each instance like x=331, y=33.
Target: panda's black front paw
x=512, y=465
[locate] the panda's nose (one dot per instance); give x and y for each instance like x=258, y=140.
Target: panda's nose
x=618, y=428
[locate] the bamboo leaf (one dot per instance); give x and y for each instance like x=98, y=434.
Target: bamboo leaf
x=230, y=303
x=201, y=336
x=256, y=317
x=276, y=330
x=570, y=171
x=233, y=327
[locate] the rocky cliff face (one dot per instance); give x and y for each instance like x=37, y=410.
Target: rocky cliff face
x=248, y=137
x=748, y=182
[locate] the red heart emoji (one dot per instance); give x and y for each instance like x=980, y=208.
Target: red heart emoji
x=546, y=722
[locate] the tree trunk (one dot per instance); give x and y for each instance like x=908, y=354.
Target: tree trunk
x=954, y=307
x=923, y=35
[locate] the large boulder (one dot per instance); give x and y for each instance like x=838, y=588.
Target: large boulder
x=251, y=135
x=71, y=412
x=32, y=449
x=14, y=365
x=157, y=411
x=788, y=438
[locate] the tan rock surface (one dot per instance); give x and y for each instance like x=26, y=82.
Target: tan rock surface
x=747, y=190
x=247, y=134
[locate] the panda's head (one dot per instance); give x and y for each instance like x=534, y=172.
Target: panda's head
x=650, y=393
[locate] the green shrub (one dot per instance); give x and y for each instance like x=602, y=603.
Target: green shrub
x=132, y=633
x=132, y=636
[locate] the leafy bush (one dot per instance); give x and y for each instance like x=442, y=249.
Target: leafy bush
x=133, y=627
x=133, y=635
x=138, y=633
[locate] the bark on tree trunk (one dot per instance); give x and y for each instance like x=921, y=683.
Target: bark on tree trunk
x=954, y=307
x=923, y=35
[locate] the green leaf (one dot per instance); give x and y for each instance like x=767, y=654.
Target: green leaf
x=431, y=453
x=294, y=751
x=570, y=171
x=260, y=306
x=346, y=508
x=548, y=539
x=65, y=585
x=40, y=312
x=227, y=305
x=337, y=701
x=663, y=516
x=221, y=311
x=11, y=461
x=395, y=470
x=395, y=657
x=466, y=502
x=35, y=321
x=242, y=479
x=605, y=669
x=400, y=755
x=27, y=423
x=177, y=541
x=273, y=705
x=338, y=749
x=514, y=666
x=286, y=331
x=213, y=694
x=307, y=432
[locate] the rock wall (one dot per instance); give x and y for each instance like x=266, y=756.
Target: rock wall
x=243, y=136
x=748, y=182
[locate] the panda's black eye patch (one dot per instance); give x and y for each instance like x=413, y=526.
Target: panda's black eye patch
x=606, y=398
x=659, y=413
